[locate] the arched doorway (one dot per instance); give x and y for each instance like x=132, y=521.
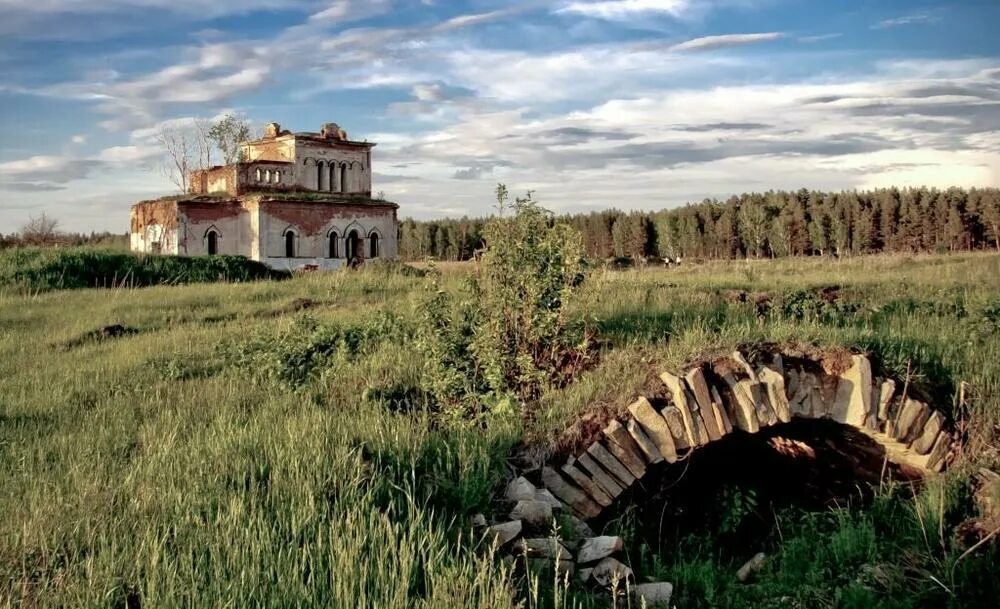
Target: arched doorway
x=212, y=242
x=353, y=245
x=290, y=244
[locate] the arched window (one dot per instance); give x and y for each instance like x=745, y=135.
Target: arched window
x=373, y=245
x=212, y=242
x=345, y=178
x=277, y=176
x=257, y=174
x=334, y=246
x=319, y=175
x=267, y=176
x=290, y=244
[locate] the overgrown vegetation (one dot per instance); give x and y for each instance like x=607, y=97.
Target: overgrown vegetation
x=508, y=334
x=239, y=450
x=37, y=269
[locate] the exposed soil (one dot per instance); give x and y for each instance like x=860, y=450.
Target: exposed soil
x=99, y=335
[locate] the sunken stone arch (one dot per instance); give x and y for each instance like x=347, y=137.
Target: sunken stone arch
x=732, y=396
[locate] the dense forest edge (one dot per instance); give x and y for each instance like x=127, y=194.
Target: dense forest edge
x=770, y=224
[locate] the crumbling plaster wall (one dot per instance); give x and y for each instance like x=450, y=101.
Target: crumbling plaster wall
x=153, y=227
x=230, y=219
x=312, y=223
x=309, y=154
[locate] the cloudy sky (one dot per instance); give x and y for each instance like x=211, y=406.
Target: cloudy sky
x=591, y=103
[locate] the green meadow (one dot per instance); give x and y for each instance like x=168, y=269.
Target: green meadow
x=266, y=443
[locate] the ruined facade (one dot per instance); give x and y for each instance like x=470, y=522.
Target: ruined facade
x=296, y=200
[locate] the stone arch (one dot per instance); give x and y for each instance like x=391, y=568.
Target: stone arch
x=731, y=396
x=354, y=241
x=374, y=243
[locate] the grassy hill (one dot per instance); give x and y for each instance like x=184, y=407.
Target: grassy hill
x=266, y=444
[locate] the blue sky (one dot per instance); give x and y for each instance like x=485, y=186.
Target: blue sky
x=591, y=103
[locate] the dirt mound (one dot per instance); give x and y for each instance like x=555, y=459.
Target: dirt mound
x=99, y=335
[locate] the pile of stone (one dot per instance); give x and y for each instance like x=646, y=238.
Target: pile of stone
x=576, y=554
x=709, y=402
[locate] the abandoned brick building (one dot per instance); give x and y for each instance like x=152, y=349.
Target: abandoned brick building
x=295, y=200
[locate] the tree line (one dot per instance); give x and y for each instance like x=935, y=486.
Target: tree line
x=770, y=224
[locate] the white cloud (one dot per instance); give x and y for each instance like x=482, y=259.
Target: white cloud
x=725, y=40
x=621, y=9
x=915, y=19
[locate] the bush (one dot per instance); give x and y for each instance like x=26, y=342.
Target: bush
x=37, y=269
x=508, y=332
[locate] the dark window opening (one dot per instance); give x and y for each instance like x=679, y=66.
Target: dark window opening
x=373, y=245
x=213, y=243
x=353, y=245
x=334, y=249
x=290, y=244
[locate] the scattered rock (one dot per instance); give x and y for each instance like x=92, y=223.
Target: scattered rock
x=506, y=532
x=751, y=566
x=611, y=572
x=597, y=548
x=579, y=528
x=520, y=489
x=563, y=568
x=537, y=514
x=584, y=574
x=654, y=595
x=478, y=520
x=541, y=547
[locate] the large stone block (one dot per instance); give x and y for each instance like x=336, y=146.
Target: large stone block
x=852, y=403
x=654, y=595
x=910, y=422
x=542, y=547
x=536, y=514
x=623, y=447
x=675, y=423
x=569, y=494
x=608, y=461
x=774, y=385
x=744, y=409
x=654, y=425
x=599, y=475
x=721, y=414
x=925, y=441
x=597, y=548
x=611, y=572
x=675, y=385
x=695, y=379
x=585, y=482
x=505, y=532
x=649, y=448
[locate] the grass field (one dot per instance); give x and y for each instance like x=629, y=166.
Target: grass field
x=260, y=445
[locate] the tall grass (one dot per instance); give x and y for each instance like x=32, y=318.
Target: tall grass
x=149, y=470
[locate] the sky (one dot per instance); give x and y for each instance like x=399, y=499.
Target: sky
x=633, y=104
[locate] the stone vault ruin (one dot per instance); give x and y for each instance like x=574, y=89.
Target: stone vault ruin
x=729, y=395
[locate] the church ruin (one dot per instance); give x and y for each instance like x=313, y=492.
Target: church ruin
x=294, y=200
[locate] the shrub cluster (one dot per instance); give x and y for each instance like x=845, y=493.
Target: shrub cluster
x=38, y=269
x=507, y=333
